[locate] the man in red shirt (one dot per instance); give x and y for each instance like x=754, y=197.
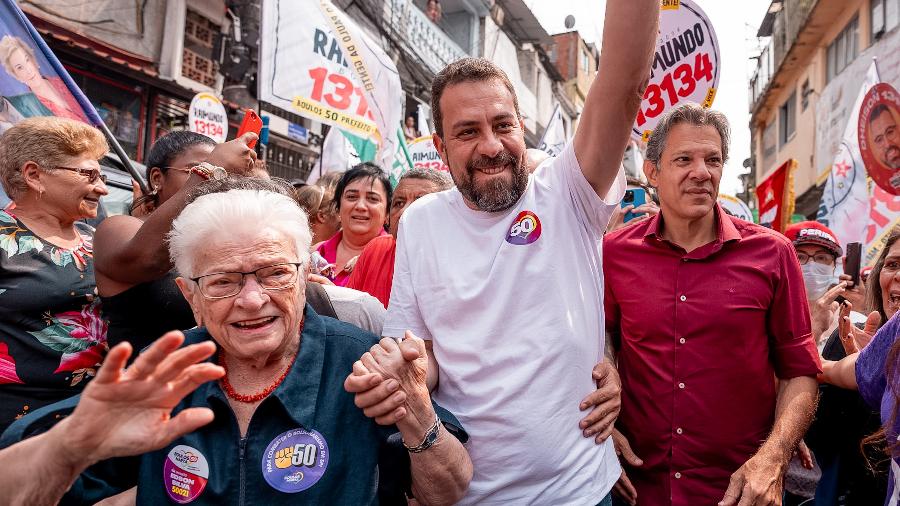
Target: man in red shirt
x=374, y=270
x=714, y=348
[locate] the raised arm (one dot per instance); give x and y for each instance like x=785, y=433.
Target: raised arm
x=128, y=251
x=629, y=38
x=121, y=413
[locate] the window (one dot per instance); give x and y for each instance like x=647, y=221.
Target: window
x=585, y=63
x=787, y=119
x=885, y=16
x=844, y=48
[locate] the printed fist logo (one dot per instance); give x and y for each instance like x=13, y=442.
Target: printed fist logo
x=525, y=229
x=296, y=455
x=283, y=457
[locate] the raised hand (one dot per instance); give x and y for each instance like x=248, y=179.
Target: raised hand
x=235, y=156
x=822, y=311
x=854, y=339
x=123, y=413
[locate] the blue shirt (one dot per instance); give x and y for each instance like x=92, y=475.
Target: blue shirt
x=307, y=442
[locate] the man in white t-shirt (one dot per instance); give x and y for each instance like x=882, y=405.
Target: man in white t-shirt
x=501, y=276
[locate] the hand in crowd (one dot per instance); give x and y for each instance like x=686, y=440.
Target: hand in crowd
x=348, y=267
x=316, y=278
x=235, y=156
x=823, y=311
x=387, y=376
x=133, y=407
x=617, y=220
x=856, y=294
x=805, y=455
x=759, y=482
x=144, y=208
x=606, y=402
x=624, y=488
x=852, y=338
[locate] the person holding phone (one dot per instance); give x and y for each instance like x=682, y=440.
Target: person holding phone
x=639, y=203
x=721, y=311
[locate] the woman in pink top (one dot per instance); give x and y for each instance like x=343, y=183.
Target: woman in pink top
x=361, y=197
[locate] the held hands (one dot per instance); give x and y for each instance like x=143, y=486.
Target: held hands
x=606, y=401
x=390, y=378
x=235, y=156
x=852, y=338
x=123, y=413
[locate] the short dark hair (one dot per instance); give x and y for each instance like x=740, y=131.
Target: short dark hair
x=464, y=70
x=364, y=170
x=878, y=110
x=171, y=145
x=438, y=178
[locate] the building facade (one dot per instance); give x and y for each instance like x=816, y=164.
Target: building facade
x=141, y=69
x=807, y=80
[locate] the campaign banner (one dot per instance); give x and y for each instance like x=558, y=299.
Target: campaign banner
x=685, y=67
x=776, y=197
x=735, y=207
x=424, y=155
x=879, y=136
x=33, y=81
x=207, y=116
x=316, y=62
x=554, y=139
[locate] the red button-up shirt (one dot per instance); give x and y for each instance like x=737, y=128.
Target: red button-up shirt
x=702, y=336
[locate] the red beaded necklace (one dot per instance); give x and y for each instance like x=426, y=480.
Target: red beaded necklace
x=250, y=399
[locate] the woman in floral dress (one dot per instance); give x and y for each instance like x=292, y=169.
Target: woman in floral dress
x=52, y=339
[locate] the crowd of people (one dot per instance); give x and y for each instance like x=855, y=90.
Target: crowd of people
x=509, y=333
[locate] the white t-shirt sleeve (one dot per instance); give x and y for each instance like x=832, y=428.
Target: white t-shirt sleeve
x=593, y=209
x=403, y=309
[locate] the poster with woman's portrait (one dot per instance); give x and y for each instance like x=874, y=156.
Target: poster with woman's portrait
x=29, y=82
x=879, y=136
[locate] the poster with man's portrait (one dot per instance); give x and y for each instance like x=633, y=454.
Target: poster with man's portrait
x=879, y=136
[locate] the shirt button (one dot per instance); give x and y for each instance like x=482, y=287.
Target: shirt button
x=681, y=386
x=678, y=430
x=72, y=294
x=683, y=298
x=677, y=476
x=682, y=341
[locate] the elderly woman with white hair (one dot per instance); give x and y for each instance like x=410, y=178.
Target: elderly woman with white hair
x=284, y=427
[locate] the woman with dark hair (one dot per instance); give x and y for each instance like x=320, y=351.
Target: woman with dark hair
x=873, y=371
x=133, y=270
x=361, y=198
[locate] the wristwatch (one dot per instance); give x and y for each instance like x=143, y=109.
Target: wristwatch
x=209, y=171
x=430, y=438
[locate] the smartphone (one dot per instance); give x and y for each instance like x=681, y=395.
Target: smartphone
x=636, y=197
x=853, y=261
x=251, y=123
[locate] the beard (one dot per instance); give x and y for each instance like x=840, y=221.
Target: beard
x=498, y=193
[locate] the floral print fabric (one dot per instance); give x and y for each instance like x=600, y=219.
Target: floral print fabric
x=52, y=337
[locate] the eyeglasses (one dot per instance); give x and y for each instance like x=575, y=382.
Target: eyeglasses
x=819, y=258
x=92, y=174
x=221, y=285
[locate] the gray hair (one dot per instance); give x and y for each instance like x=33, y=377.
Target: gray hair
x=232, y=214
x=439, y=178
x=692, y=114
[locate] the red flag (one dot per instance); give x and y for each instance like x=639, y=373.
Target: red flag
x=776, y=197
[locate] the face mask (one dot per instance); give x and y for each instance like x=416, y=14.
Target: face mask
x=817, y=278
